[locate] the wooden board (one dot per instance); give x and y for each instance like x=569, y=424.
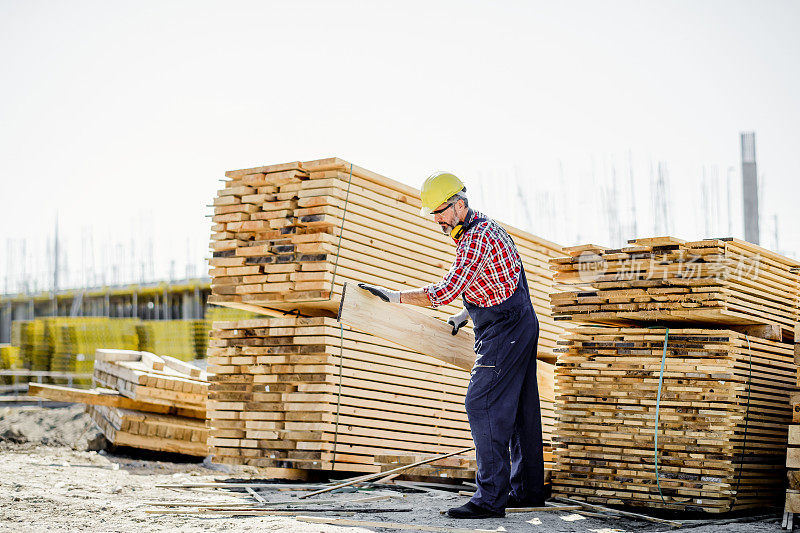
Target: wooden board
x=403, y=325
x=108, y=398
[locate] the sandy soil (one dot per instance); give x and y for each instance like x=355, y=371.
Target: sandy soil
x=51, y=481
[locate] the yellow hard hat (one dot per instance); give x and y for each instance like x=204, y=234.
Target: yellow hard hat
x=437, y=189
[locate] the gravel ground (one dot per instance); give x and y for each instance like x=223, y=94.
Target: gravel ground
x=52, y=480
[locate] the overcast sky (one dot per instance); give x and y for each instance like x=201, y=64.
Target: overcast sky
x=123, y=116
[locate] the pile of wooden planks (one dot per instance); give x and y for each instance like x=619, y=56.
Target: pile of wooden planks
x=792, y=503
x=723, y=414
x=310, y=393
x=152, y=380
x=150, y=431
x=712, y=281
x=289, y=236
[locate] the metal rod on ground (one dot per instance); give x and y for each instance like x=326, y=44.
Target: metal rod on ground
x=256, y=511
x=275, y=486
x=368, y=477
x=638, y=516
x=281, y=502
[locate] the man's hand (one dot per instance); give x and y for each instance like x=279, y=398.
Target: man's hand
x=383, y=293
x=458, y=321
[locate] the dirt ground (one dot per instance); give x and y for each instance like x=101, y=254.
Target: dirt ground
x=54, y=476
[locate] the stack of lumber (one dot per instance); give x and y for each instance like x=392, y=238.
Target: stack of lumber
x=183, y=339
x=148, y=379
x=723, y=410
x=309, y=393
x=289, y=236
x=712, y=281
x=723, y=418
x=792, y=503
x=149, y=431
x=136, y=423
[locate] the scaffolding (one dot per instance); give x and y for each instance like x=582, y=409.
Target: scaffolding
x=184, y=299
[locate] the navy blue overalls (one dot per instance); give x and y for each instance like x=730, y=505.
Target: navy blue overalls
x=502, y=401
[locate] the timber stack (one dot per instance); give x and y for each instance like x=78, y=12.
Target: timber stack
x=151, y=379
x=681, y=398
x=712, y=281
x=305, y=391
x=792, y=502
x=308, y=393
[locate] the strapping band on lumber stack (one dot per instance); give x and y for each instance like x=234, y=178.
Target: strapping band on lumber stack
x=688, y=419
x=306, y=393
x=150, y=379
x=713, y=281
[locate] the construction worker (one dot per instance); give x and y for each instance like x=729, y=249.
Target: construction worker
x=502, y=400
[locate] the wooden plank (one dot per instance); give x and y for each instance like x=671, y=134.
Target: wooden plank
x=402, y=325
x=792, y=504
x=104, y=397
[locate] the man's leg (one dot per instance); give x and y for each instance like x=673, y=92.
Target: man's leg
x=527, y=457
x=491, y=402
x=491, y=430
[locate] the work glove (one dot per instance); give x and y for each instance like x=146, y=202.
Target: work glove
x=459, y=320
x=382, y=292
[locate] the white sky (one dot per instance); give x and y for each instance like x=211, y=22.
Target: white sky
x=123, y=115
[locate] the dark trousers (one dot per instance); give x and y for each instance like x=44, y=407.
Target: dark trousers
x=502, y=402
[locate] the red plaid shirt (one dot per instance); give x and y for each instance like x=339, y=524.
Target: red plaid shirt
x=486, y=269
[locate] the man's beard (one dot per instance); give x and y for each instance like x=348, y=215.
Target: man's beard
x=446, y=227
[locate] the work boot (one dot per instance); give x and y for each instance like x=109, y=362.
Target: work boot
x=471, y=510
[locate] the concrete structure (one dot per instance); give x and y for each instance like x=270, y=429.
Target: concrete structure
x=750, y=187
